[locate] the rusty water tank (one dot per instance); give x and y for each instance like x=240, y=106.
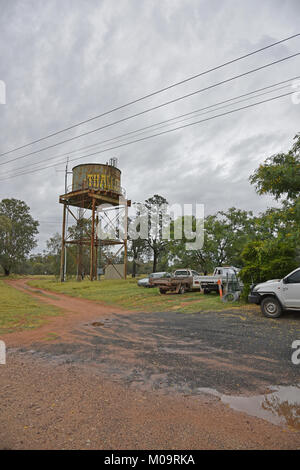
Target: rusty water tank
x=97, y=176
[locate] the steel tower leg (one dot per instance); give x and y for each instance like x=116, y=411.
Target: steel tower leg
x=92, y=254
x=63, y=237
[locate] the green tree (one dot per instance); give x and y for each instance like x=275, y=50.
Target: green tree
x=18, y=230
x=180, y=257
x=53, y=252
x=78, y=257
x=136, y=250
x=137, y=247
x=156, y=207
x=267, y=259
x=279, y=175
x=225, y=234
x=80, y=230
x=275, y=250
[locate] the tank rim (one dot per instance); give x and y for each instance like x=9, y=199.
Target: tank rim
x=101, y=164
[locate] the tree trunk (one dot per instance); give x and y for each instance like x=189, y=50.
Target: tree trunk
x=133, y=268
x=154, y=261
x=6, y=271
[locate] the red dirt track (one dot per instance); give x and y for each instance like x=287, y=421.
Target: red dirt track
x=76, y=312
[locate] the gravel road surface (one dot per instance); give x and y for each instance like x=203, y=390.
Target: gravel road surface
x=100, y=377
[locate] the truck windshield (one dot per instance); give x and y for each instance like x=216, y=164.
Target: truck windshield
x=157, y=275
x=294, y=278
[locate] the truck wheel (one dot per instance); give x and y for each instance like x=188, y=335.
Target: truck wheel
x=270, y=307
x=162, y=291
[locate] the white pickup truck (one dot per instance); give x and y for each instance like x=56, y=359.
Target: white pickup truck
x=277, y=295
x=221, y=273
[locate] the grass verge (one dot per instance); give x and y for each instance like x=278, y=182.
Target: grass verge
x=19, y=311
x=128, y=295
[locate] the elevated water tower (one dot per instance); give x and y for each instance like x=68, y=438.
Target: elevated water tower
x=94, y=185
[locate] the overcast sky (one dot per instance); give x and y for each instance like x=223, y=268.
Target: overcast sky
x=66, y=61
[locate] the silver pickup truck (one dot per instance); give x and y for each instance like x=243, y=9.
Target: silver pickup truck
x=277, y=295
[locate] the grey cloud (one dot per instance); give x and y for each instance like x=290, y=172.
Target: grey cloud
x=64, y=62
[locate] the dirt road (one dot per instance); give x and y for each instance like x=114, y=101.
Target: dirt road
x=76, y=313
x=110, y=379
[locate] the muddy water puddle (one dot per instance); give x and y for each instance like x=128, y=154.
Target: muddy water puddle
x=280, y=405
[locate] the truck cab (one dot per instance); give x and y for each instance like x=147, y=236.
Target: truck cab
x=277, y=295
x=185, y=273
x=188, y=273
x=224, y=270
x=221, y=274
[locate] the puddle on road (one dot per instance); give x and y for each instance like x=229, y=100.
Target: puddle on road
x=281, y=405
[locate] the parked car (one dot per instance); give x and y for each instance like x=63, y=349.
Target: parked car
x=145, y=282
x=277, y=295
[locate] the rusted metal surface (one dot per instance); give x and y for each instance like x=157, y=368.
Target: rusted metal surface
x=63, y=237
x=174, y=284
x=92, y=258
x=93, y=185
x=98, y=177
x=83, y=198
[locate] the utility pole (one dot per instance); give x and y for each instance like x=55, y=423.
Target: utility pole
x=65, y=224
x=66, y=190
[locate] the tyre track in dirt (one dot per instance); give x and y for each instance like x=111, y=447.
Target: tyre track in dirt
x=75, y=313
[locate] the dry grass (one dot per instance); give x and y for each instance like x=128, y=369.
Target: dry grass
x=128, y=295
x=19, y=311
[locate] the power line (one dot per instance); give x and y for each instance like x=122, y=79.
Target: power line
x=153, y=108
x=158, y=134
x=166, y=121
x=149, y=95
